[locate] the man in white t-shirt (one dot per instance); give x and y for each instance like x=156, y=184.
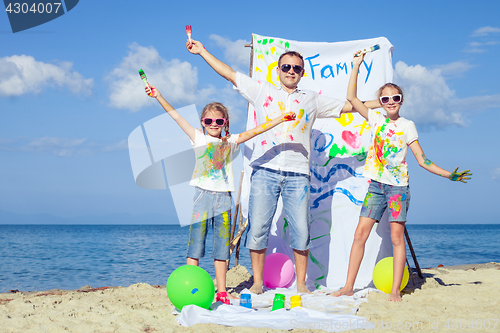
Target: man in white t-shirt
x=280, y=160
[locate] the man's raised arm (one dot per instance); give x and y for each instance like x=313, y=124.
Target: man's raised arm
x=195, y=47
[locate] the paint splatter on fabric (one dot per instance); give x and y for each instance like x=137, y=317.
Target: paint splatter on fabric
x=282, y=107
x=298, y=118
x=367, y=199
x=395, y=204
x=224, y=229
x=213, y=170
x=386, y=159
x=345, y=119
x=352, y=139
x=267, y=101
x=303, y=129
x=305, y=104
x=325, y=141
x=201, y=230
x=362, y=127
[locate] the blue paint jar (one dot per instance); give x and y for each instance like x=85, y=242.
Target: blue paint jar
x=246, y=300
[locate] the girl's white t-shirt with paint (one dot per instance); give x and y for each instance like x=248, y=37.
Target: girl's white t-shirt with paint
x=213, y=170
x=386, y=160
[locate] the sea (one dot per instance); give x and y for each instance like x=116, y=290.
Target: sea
x=44, y=257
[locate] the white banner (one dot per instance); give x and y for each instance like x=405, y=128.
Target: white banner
x=338, y=152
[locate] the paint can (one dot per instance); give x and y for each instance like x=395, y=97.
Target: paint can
x=295, y=301
x=278, y=302
x=246, y=300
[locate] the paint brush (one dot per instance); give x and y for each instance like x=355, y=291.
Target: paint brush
x=145, y=80
x=370, y=49
x=189, y=31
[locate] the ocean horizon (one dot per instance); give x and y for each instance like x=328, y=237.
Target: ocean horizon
x=38, y=257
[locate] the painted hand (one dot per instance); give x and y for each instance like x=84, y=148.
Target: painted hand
x=151, y=91
x=194, y=46
x=289, y=116
x=226, y=137
x=461, y=176
x=358, y=58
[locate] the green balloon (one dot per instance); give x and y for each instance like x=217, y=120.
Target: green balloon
x=382, y=275
x=190, y=284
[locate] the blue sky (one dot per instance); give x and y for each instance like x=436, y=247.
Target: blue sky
x=70, y=95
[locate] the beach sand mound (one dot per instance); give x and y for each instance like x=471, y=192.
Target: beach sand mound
x=237, y=279
x=445, y=296
x=448, y=299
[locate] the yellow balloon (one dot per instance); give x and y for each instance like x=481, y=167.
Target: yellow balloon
x=382, y=275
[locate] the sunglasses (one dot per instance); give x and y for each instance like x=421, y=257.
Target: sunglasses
x=395, y=98
x=218, y=121
x=296, y=68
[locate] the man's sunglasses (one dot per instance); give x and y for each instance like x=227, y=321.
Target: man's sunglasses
x=395, y=98
x=296, y=68
x=218, y=121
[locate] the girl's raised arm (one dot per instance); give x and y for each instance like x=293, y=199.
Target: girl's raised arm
x=352, y=87
x=245, y=136
x=427, y=164
x=152, y=91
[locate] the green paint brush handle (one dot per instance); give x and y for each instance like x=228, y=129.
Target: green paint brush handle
x=144, y=79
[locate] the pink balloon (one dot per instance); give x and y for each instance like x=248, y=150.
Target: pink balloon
x=278, y=271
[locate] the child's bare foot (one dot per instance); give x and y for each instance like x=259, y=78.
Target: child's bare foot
x=301, y=288
x=345, y=291
x=395, y=297
x=256, y=288
x=231, y=296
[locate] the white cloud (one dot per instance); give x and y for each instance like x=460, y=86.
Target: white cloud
x=484, y=31
x=122, y=145
x=176, y=80
x=426, y=96
x=476, y=103
x=235, y=53
x=428, y=100
x=454, y=69
x=495, y=174
x=46, y=141
x=62, y=147
x=58, y=146
x=474, y=47
x=22, y=74
x=485, y=35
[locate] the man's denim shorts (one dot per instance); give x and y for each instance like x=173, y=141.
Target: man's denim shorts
x=380, y=196
x=266, y=187
x=210, y=208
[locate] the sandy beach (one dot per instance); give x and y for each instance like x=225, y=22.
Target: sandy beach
x=448, y=299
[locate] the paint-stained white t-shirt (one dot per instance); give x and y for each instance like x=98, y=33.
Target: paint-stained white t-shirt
x=287, y=146
x=213, y=170
x=386, y=160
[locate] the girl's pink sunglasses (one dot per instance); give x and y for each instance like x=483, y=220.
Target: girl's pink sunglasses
x=218, y=121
